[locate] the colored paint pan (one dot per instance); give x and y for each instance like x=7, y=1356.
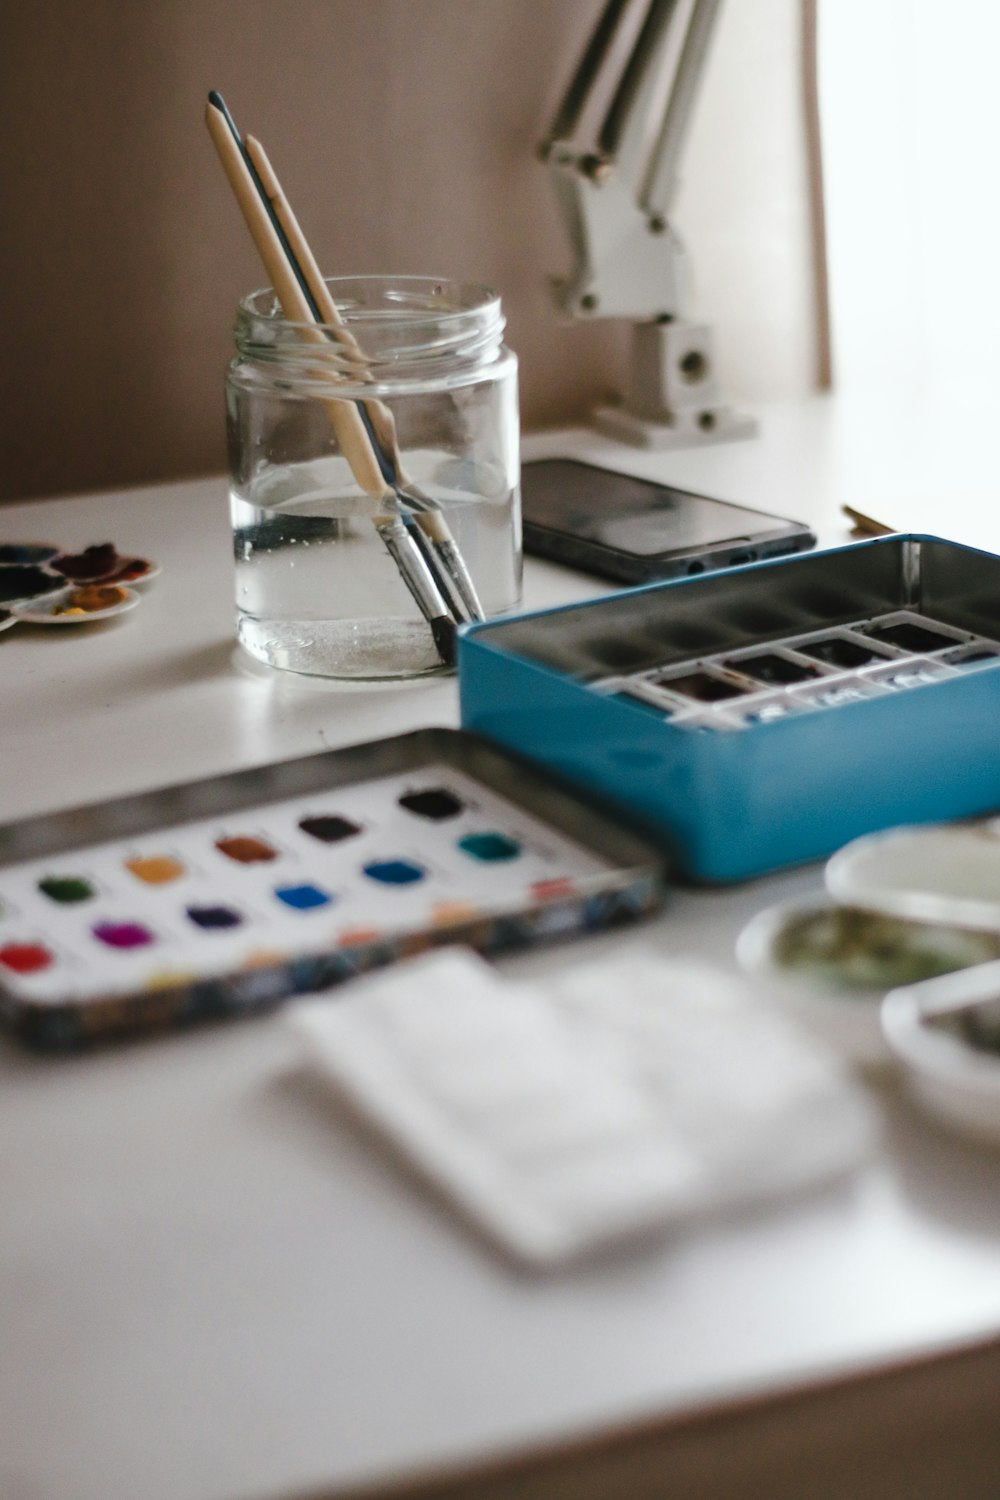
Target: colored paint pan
x=436, y=803
x=25, y=958
x=395, y=872
x=123, y=935
x=66, y=890
x=246, y=849
x=329, y=828
x=155, y=869
x=214, y=918
x=489, y=848
x=303, y=897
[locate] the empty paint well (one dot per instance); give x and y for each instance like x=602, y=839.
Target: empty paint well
x=490, y=847
x=774, y=669
x=66, y=888
x=839, y=651
x=703, y=687
x=909, y=636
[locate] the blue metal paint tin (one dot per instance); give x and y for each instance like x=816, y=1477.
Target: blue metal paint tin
x=775, y=773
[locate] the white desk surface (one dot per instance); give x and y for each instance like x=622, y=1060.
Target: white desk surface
x=211, y=1290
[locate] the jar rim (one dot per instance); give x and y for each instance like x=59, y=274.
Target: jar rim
x=386, y=299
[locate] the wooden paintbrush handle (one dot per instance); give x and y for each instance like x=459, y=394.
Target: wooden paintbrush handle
x=344, y=415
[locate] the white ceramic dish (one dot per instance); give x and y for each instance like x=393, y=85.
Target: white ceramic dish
x=947, y=873
x=831, y=966
x=46, y=611
x=928, y=1026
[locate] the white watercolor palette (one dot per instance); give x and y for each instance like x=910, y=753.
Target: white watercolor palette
x=347, y=872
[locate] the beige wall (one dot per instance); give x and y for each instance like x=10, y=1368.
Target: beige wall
x=404, y=133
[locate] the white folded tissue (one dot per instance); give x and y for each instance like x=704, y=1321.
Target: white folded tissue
x=568, y=1112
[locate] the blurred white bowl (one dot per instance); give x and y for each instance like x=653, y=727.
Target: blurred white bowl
x=946, y=1032
x=942, y=873
x=831, y=965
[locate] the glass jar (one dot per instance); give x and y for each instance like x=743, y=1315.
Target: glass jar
x=374, y=476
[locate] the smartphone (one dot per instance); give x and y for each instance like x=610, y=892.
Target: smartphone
x=635, y=531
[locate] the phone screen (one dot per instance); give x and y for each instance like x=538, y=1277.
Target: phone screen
x=631, y=515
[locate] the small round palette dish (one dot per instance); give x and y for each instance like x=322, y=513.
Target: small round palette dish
x=833, y=965
x=946, y=873
x=79, y=606
x=946, y=1034
x=42, y=584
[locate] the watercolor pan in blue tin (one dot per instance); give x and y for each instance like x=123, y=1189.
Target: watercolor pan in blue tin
x=762, y=716
x=223, y=897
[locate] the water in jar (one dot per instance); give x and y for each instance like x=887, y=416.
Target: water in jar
x=318, y=592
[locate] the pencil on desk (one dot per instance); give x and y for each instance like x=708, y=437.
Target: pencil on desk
x=398, y=532
x=864, y=525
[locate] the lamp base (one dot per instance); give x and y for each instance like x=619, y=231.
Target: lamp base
x=673, y=400
x=687, y=429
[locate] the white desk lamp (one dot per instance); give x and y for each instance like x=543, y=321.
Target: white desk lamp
x=629, y=261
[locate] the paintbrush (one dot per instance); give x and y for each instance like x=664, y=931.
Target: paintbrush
x=379, y=419
x=401, y=536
